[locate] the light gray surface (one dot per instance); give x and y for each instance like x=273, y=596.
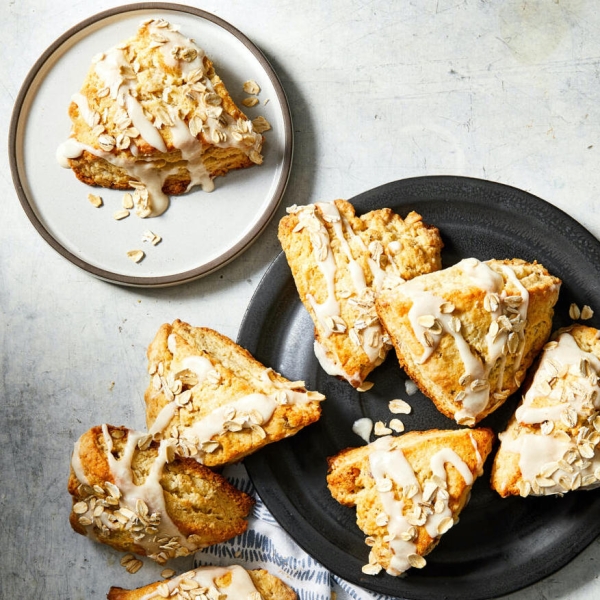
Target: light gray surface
x=379, y=91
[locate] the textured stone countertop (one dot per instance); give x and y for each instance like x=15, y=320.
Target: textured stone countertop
x=507, y=91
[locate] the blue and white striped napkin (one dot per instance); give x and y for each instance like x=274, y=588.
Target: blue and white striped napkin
x=266, y=545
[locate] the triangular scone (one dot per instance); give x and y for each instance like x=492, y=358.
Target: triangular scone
x=215, y=401
x=153, y=115
x=226, y=583
x=551, y=443
x=408, y=490
x=339, y=262
x=467, y=334
x=136, y=496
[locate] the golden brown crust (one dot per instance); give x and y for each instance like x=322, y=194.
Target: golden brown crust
x=235, y=375
x=269, y=587
x=397, y=247
x=200, y=502
x=552, y=382
x=439, y=376
x=351, y=482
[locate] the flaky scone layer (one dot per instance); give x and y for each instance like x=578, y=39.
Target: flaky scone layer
x=339, y=262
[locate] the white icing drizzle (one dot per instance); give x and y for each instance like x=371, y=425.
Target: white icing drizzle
x=150, y=492
x=77, y=465
x=476, y=394
x=560, y=423
x=389, y=464
x=241, y=586
x=120, y=77
x=370, y=337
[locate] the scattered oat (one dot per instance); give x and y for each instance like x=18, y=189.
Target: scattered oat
x=371, y=569
x=136, y=255
x=150, y=236
x=397, y=425
x=250, y=101
x=251, y=87
x=166, y=573
x=586, y=313
x=399, y=407
x=121, y=214
x=416, y=561
x=95, y=200
x=260, y=125
x=381, y=429
x=363, y=428
x=127, y=201
x=365, y=386
x=574, y=311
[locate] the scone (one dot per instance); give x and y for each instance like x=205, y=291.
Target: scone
x=154, y=116
x=467, y=334
x=551, y=443
x=134, y=495
x=217, y=403
x=231, y=583
x=338, y=262
x=408, y=490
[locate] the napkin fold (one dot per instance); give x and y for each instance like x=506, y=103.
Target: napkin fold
x=266, y=545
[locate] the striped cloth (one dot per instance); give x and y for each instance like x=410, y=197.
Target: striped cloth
x=266, y=545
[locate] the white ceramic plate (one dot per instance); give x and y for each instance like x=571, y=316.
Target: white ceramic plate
x=200, y=231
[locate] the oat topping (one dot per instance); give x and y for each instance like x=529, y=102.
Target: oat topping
x=560, y=420
x=155, y=90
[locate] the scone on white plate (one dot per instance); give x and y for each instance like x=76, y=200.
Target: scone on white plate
x=551, y=443
x=153, y=116
x=467, y=334
x=339, y=262
x=135, y=495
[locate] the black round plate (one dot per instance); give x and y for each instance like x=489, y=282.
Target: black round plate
x=500, y=545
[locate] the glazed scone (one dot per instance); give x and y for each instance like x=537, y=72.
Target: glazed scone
x=154, y=116
x=216, y=402
x=467, y=334
x=408, y=490
x=226, y=583
x=338, y=262
x=134, y=495
x=551, y=443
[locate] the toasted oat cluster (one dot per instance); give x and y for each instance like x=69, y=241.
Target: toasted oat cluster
x=408, y=491
x=551, y=445
x=217, y=403
x=154, y=116
x=339, y=262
